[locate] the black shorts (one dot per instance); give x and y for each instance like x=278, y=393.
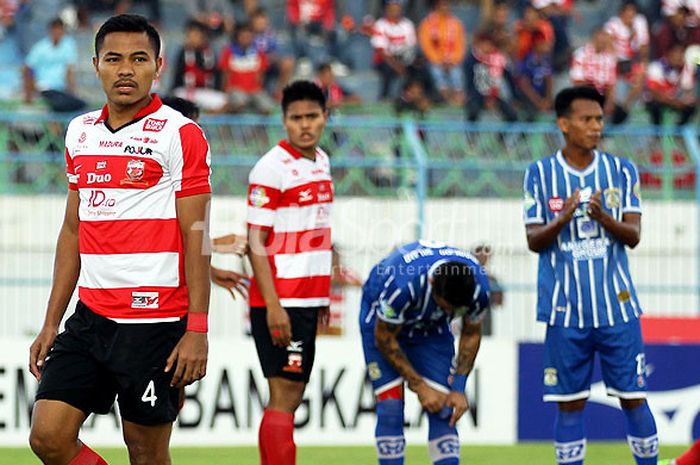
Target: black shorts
x=295, y=361
x=96, y=359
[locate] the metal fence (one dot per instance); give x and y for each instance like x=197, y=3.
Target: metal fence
x=395, y=180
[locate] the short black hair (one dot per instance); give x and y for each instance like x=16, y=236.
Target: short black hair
x=56, y=22
x=127, y=23
x=302, y=90
x=564, y=99
x=628, y=4
x=187, y=107
x=454, y=282
x=195, y=24
x=324, y=66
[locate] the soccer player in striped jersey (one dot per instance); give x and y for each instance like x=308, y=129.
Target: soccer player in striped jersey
x=689, y=457
x=290, y=196
x=581, y=211
x=408, y=302
x=132, y=240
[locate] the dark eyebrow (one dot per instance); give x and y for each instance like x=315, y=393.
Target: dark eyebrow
x=117, y=54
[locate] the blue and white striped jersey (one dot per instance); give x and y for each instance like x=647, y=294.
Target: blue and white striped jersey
x=398, y=290
x=583, y=278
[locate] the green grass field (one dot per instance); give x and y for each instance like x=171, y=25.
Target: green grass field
x=524, y=454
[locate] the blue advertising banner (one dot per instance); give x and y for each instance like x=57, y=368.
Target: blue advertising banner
x=673, y=373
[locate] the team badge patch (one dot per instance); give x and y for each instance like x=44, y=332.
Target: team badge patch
x=556, y=204
x=636, y=190
x=258, y=197
x=550, y=377
x=612, y=198
x=294, y=357
x=135, y=170
x=374, y=372
x=529, y=201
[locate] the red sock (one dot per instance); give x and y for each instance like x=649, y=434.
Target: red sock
x=691, y=456
x=277, y=438
x=87, y=456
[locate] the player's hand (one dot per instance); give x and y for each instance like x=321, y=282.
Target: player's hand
x=595, y=207
x=571, y=205
x=230, y=243
x=279, y=325
x=432, y=400
x=231, y=281
x=188, y=359
x=459, y=404
x=39, y=349
x=324, y=316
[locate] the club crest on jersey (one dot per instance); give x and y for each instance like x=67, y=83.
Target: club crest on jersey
x=529, y=201
x=154, y=125
x=135, y=170
x=612, y=198
x=635, y=190
x=556, y=204
x=550, y=377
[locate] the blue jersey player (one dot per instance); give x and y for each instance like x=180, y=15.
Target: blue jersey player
x=581, y=210
x=408, y=302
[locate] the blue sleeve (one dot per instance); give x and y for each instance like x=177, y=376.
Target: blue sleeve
x=481, y=301
x=631, y=197
x=533, y=201
x=34, y=56
x=394, y=300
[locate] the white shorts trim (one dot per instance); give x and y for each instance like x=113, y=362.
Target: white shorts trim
x=626, y=395
x=134, y=321
x=437, y=386
x=391, y=384
x=566, y=397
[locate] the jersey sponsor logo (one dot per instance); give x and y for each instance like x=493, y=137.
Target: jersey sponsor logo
x=93, y=178
x=154, y=125
x=136, y=150
x=82, y=138
x=305, y=195
x=258, y=197
x=101, y=165
x=570, y=451
x=390, y=447
x=588, y=249
x=145, y=299
x=89, y=119
x=145, y=140
x=612, y=198
x=324, y=196
x=295, y=357
x=448, y=446
x=111, y=144
x=644, y=447
x=99, y=200
x=134, y=173
x=556, y=204
x=387, y=310
x=587, y=228
x=585, y=194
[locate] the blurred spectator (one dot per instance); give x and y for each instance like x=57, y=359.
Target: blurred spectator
x=674, y=30
x=486, y=77
x=336, y=95
x=558, y=13
x=670, y=84
x=630, y=34
x=50, y=70
x=443, y=40
x=413, y=99
x=692, y=18
x=8, y=8
x=394, y=42
x=483, y=253
x=534, y=79
x=243, y=67
x=595, y=65
x=196, y=75
x=280, y=67
x=312, y=28
x=86, y=8
x=495, y=18
x=188, y=108
x=533, y=24
x=216, y=14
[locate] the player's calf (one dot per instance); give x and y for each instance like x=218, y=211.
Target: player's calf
x=641, y=432
x=443, y=441
x=391, y=443
x=569, y=437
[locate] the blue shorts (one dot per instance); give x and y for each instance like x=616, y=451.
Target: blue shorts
x=432, y=357
x=569, y=357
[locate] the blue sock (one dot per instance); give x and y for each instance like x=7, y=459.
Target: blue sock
x=443, y=441
x=391, y=444
x=569, y=438
x=641, y=434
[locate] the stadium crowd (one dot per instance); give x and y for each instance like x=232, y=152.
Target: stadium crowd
x=234, y=56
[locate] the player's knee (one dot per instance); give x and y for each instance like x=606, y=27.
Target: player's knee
x=46, y=444
x=631, y=404
x=390, y=413
x=143, y=453
x=572, y=406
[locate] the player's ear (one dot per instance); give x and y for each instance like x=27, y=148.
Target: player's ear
x=159, y=65
x=95, y=63
x=563, y=124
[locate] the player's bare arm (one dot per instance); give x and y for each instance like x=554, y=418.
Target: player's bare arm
x=277, y=318
x=65, y=276
x=469, y=342
x=541, y=236
x=628, y=231
x=189, y=357
x=385, y=337
x=232, y=281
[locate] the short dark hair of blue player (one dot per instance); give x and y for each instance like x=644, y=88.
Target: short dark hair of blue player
x=187, y=107
x=454, y=282
x=128, y=23
x=302, y=90
x=564, y=99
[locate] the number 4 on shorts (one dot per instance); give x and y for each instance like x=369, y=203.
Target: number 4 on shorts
x=149, y=395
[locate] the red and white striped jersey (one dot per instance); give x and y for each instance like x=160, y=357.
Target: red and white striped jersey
x=593, y=68
x=132, y=264
x=291, y=197
x=669, y=81
x=628, y=41
x=397, y=39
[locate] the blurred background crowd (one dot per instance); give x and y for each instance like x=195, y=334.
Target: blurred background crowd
x=483, y=59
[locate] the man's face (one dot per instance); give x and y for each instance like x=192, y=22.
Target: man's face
x=627, y=15
x=126, y=66
x=325, y=76
x=584, y=124
x=602, y=41
x=195, y=38
x=56, y=33
x=394, y=11
x=304, y=122
x=675, y=57
x=443, y=6
x=259, y=23
x=244, y=38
